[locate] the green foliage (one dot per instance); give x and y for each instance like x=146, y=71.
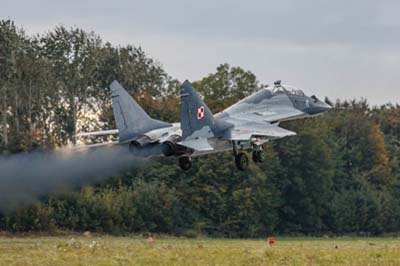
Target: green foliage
x=340, y=174
x=226, y=86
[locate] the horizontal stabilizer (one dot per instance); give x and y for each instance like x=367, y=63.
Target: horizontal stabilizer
x=98, y=133
x=111, y=143
x=197, y=144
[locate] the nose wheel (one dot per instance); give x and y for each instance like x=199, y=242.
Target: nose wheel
x=258, y=156
x=185, y=162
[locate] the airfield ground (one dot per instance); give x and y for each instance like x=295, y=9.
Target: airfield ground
x=176, y=251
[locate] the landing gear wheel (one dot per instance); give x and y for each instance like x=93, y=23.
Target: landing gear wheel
x=185, y=162
x=242, y=161
x=258, y=156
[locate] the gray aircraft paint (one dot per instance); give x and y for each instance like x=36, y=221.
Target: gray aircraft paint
x=197, y=122
x=253, y=120
x=130, y=118
x=265, y=106
x=247, y=119
x=192, y=125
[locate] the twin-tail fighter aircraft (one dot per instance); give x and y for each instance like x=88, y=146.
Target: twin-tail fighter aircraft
x=245, y=126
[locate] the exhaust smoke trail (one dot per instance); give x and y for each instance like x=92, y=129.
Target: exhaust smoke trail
x=26, y=176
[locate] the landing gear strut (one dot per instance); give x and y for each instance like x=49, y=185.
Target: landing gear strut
x=185, y=162
x=241, y=159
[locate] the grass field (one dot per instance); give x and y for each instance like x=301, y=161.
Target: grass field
x=176, y=251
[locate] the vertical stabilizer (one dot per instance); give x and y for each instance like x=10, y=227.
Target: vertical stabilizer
x=196, y=118
x=130, y=118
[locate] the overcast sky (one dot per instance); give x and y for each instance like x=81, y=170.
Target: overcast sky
x=340, y=49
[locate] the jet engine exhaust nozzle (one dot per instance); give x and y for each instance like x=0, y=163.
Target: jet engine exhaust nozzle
x=170, y=146
x=136, y=145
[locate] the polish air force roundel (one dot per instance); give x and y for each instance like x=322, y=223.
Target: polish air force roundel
x=200, y=112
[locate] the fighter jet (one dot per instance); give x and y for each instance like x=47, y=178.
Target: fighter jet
x=244, y=126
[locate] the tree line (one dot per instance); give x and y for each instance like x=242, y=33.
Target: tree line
x=339, y=175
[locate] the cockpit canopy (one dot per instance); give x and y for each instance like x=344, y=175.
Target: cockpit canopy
x=285, y=89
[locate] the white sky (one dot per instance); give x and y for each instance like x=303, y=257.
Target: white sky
x=340, y=49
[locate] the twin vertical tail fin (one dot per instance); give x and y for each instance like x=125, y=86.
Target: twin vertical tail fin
x=130, y=118
x=197, y=121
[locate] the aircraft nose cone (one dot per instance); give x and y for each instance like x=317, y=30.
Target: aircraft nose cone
x=327, y=106
x=318, y=107
x=324, y=107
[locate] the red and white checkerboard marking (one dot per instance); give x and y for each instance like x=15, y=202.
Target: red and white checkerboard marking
x=200, y=112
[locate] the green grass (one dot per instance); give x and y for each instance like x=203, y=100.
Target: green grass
x=108, y=250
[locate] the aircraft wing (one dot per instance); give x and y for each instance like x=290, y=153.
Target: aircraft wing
x=245, y=130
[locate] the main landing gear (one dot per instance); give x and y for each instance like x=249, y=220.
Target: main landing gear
x=185, y=162
x=258, y=156
x=242, y=160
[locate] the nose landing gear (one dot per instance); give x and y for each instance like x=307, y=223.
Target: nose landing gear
x=258, y=156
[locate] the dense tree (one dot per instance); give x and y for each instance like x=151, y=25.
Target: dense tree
x=10, y=43
x=340, y=175
x=226, y=86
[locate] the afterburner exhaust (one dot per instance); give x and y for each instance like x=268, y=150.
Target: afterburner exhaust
x=139, y=145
